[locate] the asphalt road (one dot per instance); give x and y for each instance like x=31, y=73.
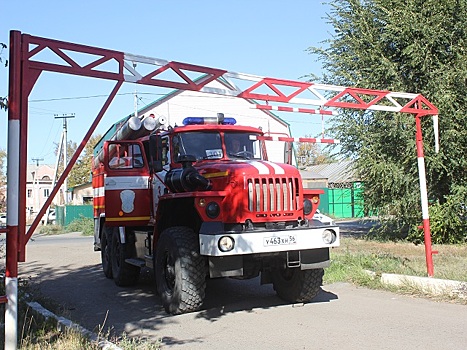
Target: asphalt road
x=238, y=314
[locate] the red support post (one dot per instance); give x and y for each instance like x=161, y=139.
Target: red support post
x=13, y=192
x=424, y=197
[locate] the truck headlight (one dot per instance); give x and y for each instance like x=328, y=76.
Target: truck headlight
x=329, y=236
x=226, y=244
x=307, y=206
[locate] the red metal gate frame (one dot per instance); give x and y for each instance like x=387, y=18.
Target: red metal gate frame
x=25, y=69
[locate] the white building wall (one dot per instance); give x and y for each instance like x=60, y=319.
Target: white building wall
x=195, y=104
x=39, y=186
x=80, y=193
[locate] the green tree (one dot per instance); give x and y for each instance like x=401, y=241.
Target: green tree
x=402, y=45
x=3, y=100
x=81, y=171
x=312, y=154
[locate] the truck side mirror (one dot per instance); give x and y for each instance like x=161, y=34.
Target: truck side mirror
x=155, y=153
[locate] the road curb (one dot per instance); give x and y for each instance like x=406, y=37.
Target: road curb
x=62, y=324
x=434, y=286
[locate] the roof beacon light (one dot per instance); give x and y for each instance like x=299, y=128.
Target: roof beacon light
x=209, y=120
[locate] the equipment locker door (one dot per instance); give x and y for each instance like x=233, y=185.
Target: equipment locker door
x=126, y=185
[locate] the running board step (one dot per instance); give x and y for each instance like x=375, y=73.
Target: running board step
x=136, y=262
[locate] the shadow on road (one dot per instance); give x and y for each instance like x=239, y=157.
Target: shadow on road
x=224, y=296
x=84, y=295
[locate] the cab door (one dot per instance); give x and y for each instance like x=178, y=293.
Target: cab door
x=126, y=184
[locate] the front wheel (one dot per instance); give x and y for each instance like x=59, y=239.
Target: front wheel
x=124, y=274
x=295, y=285
x=180, y=271
x=105, y=252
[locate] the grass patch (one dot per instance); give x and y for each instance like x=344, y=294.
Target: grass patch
x=50, y=229
x=82, y=224
x=50, y=339
x=355, y=256
x=36, y=333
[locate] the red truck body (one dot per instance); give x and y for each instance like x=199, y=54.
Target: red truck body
x=183, y=202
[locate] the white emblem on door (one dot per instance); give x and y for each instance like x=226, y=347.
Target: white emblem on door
x=127, y=197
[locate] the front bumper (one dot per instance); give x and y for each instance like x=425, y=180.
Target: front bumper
x=269, y=241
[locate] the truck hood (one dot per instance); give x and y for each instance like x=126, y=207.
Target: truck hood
x=247, y=167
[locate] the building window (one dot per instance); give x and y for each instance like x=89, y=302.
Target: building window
x=29, y=193
x=87, y=200
x=46, y=192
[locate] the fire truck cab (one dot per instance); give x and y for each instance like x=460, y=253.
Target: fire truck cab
x=202, y=201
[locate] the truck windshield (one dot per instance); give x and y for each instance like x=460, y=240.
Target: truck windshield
x=242, y=145
x=202, y=145
x=208, y=145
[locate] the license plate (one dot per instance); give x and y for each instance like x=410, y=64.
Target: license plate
x=280, y=240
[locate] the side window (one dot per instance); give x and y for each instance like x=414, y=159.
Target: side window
x=177, y=151
x=165, y=151
x=125, y=156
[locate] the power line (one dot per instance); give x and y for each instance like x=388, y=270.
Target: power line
x=93, y=96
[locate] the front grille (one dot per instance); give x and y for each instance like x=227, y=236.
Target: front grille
x=272, y=194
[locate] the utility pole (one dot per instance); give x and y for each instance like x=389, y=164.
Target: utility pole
x=35, y=186
x=37, y=160
x=136, y=95
x=65, y=147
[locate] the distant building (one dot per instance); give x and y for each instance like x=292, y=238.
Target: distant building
x=39, y=185
x=343, y=190
x=81, y=194
x=338, y=175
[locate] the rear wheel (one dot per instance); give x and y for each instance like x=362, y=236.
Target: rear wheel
x=295, y=285
x=180, y=270
x=105, y=252
x=124, y=274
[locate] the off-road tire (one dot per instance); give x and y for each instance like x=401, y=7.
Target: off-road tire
x=180, y=271
x=124, y=274
x=106, y=251
x=295, y=285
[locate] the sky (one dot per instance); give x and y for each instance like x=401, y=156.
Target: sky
x=262, y=37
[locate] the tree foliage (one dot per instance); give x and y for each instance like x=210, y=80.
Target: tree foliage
x=3, y=100
x=412, y=46
x=312, y=154
x=81, y=171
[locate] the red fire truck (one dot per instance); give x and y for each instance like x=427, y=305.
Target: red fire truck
x=202, y=201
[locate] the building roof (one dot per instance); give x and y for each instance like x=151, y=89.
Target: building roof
x=336, y=172
x=41, y=171
x=222, y=81
x=311, y=175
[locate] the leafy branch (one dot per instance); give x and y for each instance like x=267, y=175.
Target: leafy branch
x=3, y=100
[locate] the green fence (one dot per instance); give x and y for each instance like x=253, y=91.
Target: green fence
x=66, y=214
x=343, y=202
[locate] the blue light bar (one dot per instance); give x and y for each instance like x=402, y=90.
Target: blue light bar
x=229, y=121
x=208, y=120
